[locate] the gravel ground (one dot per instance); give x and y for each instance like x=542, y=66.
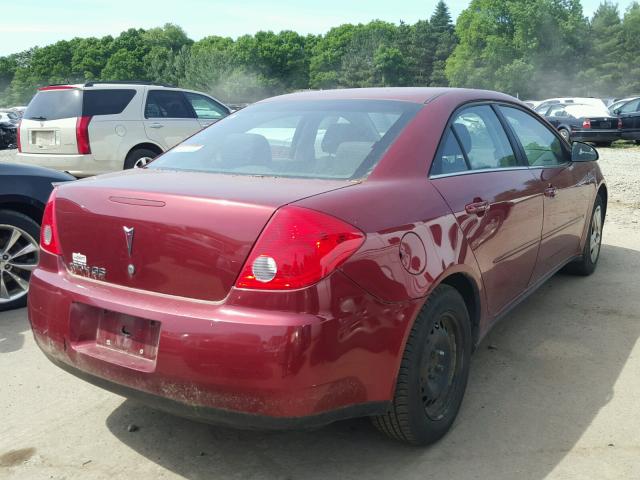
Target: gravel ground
x=553, y=394
x=621, y=168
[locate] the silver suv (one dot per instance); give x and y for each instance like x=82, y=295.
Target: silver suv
x=98, y=127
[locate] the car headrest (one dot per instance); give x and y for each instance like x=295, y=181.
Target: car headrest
x=240, y=149
x=463, y=135
x=338, y=133
x=348, y=158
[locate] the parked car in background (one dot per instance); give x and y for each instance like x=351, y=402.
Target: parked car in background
x=245, y=277
x=619, y=103
x=8, y=130
x=10, y=115
x=532, y=104
x=596, y=102
x=629, y=114
x=100, y=127
x=584, y=123
x=24, y=191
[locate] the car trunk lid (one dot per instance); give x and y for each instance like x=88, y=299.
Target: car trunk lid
x=176, y=233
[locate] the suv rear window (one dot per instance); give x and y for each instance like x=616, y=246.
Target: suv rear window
x=106, y=102
x=69, y=103
x=55, y=104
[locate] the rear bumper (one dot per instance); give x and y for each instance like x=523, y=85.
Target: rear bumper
x=595, y=135
x=335, y=357
x=76, y=165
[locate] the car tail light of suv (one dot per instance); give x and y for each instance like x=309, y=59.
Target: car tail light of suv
x=18, y=141
x=82, y=135
x=619, y=123
x=49, y=228
x=586, y=123
x=297, y=248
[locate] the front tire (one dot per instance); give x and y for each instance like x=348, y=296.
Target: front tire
x=433, y=373
x=19, y=253
x=139, y=158
x=588, y=262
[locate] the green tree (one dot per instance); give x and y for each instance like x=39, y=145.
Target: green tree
x=630, y=51
x=444, y=40
x=603, y=75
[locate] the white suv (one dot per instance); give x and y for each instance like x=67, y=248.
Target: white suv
x=100, y=127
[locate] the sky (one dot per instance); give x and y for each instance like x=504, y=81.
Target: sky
x=28, y=23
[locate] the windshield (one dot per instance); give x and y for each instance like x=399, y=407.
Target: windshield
x=579, y=111
x=333, y=139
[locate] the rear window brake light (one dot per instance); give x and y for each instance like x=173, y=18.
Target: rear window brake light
x=56, y=87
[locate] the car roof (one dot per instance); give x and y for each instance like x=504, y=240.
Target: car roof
x=407, y=94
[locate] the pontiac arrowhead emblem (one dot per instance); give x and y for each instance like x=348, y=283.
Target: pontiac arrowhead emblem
x=128, y=234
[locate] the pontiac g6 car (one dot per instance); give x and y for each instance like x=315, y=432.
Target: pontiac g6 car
x=316, y=256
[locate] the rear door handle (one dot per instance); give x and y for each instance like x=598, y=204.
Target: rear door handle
x=477, y=207
x=156, y=125
x=550, y=191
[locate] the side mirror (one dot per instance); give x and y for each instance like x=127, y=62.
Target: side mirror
x=581, y=152
x=616, y=111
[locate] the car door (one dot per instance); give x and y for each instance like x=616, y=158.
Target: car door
x=494, y=199
x=629, y=113
x=563, y=184
x=168, y=117
x=207, y=110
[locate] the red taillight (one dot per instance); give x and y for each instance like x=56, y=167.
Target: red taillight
x=18, y=136
x=586, y=123
x=297, y=248
x=82, y=135
x=49, y=228
x=619, y=123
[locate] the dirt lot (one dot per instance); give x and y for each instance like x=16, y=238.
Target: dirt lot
x=556, y=396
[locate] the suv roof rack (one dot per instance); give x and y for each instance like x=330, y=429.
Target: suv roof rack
x=128, y=82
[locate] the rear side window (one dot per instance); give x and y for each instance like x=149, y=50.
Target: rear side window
x=106, y=102
x=449, y=158
x=167, y=104
x=55, y=104
x=541, y=146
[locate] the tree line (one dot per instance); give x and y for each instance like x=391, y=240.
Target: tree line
x=528, y=48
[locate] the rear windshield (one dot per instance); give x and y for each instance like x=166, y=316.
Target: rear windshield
x=55, y=104
x=579, y=111
x=330, y=139
x=68, y=103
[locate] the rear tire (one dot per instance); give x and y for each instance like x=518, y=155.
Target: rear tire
x=603, y=144
x=19, y=237
x=588, y=262
x=139, y=157
x=433, y=373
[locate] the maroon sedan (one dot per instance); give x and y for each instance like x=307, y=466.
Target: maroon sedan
x=315, y=257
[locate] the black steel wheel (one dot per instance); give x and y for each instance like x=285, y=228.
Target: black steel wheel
x=433, y=373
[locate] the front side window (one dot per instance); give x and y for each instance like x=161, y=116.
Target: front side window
x=167, y=104
x=333, y=139
x=541, y=147
x=205, y=108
